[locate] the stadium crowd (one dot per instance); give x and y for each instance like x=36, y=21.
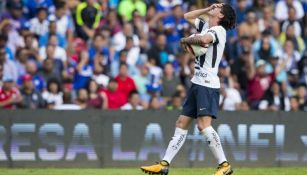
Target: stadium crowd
x=125, y=54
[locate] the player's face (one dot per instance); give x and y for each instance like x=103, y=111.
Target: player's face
x=216, y=12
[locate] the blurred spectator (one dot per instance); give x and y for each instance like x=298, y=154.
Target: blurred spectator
x=112, y=22
x=12, y=38
x=154, y=103
x=140, y=28
x=241, y=9
x=31, y=46
x=39, y=24
x=240, y=66
x=87, y=18
x=133, y=52
x=141, y=80
x=174, y=26
x=9, y=67
x=51, y=68
x=160, y=52
x=99, y=76
x=297, y=41
x=230, y=98
x=186, y=68
x=96, y=100
x=119, y=39
x=3, y=43
x=169, y=81
x=292, y=21
x=64, y=21
x=84, y=71
x=21, y=59
x=126, y=8
x=52, y=30
x=294, y=105
x=302, y=66
x=14, y=15
x=274, y=99
x=9, y=94
x=154, y=23
x=268, y=23
x=176, y=102
x=32, y=6
x=99, y=53
x=165, y=6
x=155, y=74
x=58, y=52
x=125, y=83
x=265, y=47
x=282, y=8
x=134, y=102
x=32, y=98
x=258, y=6
x=54, y=95
x=290, y=54
x=241, y=46
x=38, y=81
x=302, y=97
x=82, y=98
x=249, y=27
x=115, y=98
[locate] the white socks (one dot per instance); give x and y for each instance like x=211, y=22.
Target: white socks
x=175, y=144
x=179, y=138
x=214, y=143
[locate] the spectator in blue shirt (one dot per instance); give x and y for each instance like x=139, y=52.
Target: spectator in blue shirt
x=38, y=81
x=241, y=10
x=174, y=27
x=84, y=71
x=99, y=46
x=33, y=5
x=43, y=40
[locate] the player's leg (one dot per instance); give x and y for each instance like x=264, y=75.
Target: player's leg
x=208, y=106
x=214, y=143
x=178, y=139
x=184, y=120
x=173, y=148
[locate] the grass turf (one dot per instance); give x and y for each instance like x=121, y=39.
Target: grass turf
x=175, y=171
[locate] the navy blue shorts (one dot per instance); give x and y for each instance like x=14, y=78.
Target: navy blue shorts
x=201, y=101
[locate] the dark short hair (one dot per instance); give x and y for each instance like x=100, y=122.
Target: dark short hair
x=229, y=19
x=134, y=92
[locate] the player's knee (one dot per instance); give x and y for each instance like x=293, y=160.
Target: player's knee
x=202, y=125
x=181, y=123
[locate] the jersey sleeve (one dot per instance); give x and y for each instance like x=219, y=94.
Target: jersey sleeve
x=218, y=34
x=200, y=24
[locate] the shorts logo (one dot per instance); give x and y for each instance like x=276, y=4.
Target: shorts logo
x=201, y=109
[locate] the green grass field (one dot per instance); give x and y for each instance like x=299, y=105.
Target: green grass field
x=175, y=171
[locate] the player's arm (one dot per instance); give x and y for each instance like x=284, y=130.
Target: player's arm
x=192, y=15
x=201, y=40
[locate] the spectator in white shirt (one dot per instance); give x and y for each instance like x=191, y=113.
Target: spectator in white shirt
x=230, y=98
x=39, y=24
x=133, y=102
x=282, y=7
x=59, y=52
x=53, y=96
x=293, y=21
x=119, y=39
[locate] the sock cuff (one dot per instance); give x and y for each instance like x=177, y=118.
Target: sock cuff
x=181, y=131
x=207, y=130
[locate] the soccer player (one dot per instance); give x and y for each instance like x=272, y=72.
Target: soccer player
x=202, y=101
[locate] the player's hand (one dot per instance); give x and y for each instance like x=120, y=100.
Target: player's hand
x=183, y=45
x=216, y=5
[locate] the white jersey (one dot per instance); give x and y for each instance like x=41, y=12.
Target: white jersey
x=206, y=66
